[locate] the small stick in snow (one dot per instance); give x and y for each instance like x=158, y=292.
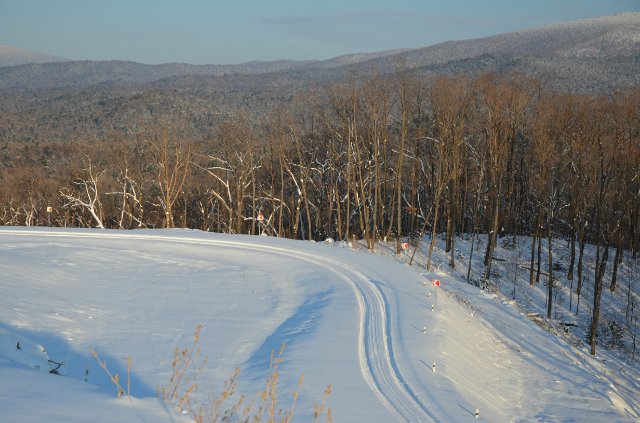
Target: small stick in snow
x=477, y=413
x=433, y=367
x=424, y=329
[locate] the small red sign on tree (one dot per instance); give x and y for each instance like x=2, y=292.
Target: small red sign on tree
x=260, y=217
x=436, y=282
x=404, y=245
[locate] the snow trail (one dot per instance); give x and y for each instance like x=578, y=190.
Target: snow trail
x=375, y=349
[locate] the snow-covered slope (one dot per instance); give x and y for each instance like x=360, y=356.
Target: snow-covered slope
x=14, y=56
x=607, y=36
x=376, y=330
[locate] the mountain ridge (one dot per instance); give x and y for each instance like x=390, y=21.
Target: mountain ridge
x=606, y=37
x=68, y=100
x=15, y=56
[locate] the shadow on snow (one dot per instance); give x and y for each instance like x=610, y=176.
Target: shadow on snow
x=49, y=353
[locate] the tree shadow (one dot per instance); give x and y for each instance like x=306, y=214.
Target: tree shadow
x=302, y=323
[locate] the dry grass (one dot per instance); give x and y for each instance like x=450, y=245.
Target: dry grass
x=186, y=366
x=228, y=406
x=115, y=379
x=318, y=410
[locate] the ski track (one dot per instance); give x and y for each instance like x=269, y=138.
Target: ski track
x=375, y=350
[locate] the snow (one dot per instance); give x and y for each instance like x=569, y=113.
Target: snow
x=362, y=322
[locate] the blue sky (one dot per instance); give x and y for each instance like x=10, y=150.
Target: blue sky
x=213, y=31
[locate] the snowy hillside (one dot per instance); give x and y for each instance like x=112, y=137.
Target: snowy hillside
x=13, y=56
x=392, y=347
x=607, y=36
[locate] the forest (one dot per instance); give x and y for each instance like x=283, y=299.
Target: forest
x=376, y=158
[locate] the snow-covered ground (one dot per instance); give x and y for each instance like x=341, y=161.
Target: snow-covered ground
x=391, y=346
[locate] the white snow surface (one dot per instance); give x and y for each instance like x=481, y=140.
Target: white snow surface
x=391, y=346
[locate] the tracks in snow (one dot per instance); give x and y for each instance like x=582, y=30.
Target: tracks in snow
x=375, y=350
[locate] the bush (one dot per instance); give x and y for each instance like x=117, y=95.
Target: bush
x=610, y=333
x=614, y=336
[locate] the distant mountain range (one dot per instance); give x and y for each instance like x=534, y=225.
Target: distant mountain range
x=14, y=56
x=588, y=56
x=547, y=49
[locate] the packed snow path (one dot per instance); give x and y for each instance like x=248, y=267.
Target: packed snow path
x=376, y=354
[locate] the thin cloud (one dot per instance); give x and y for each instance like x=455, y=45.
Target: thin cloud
x=297, y=20
x=323, y=19
x=385, y=15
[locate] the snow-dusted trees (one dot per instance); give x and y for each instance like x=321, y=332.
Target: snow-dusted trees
x=172, y=160
x=128, y=188
x=372, y=157
x=232, y=163
x=548, y=152
x=451, y=100
x=85, y=193
x=624, y=118
x=501, y=104
x=378, y=157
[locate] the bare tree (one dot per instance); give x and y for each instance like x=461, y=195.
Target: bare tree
x=86, y=196
x=172, y=160
x=405, y=88
x=450, y=101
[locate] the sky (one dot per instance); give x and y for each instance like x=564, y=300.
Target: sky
x=221, y=32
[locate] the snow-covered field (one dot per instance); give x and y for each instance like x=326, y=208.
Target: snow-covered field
x=391, y=346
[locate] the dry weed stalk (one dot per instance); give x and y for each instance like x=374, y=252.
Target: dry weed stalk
x=318, y=410
x=211, y=410
x=223, y=407
x=128, y=376
x=269, y=396
x=183, y=361
x=114, y=378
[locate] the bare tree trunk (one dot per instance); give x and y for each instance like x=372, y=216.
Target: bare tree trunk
x=597, y=295
x=336, y=193
x=581, y=241
x=452, y=218
x=533, y=255
x=619, y=251
x=492, y=235
x=634, y=221
x=174, y=162
x=253, y=198
x=88, y=197
x=403, y=136
x=550, y=278
x=538, y=272
x=376, y=194
x=572, y=247
x=239, y=206
x=434, y=227
x=282, y=202
x=474, y=224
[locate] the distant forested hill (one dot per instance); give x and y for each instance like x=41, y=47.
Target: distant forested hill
x=69, y=100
